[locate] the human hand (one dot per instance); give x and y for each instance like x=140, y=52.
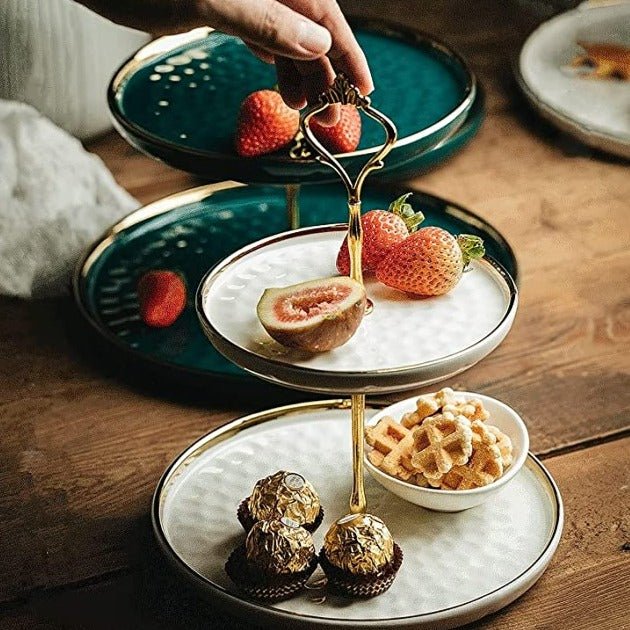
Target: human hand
x=308, y=40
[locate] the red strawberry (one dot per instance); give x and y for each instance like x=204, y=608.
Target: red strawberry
x=265, y=124
x=344, y=136
x=429, y=262
x=382, y=229
x=162, y=297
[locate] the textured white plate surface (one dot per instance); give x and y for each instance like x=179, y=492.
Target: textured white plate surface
x=597, y=111
x=457, y=567
x=404, y=342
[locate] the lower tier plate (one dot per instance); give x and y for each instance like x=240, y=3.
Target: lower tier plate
x=402, y=344
x=457, y=567
x=189, y=232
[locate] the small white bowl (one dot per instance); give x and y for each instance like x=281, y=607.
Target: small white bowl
x=501, y=416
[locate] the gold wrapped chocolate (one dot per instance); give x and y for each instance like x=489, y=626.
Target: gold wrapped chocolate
x=359, y=543
x=279, y=546
x=284, y=494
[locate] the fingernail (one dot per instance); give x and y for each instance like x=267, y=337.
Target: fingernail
x=313, y=37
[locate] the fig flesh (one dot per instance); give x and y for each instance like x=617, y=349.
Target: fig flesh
x=315, y=316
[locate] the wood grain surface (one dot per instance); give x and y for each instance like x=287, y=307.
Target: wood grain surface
x=585, y=587
x=86, y=436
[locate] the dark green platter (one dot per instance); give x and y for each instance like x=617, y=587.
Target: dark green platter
x=177, y=100
x=191, y=231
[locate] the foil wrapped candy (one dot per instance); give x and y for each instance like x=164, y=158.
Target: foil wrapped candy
x=279, y=546
x=284, y=494
x=359, y=544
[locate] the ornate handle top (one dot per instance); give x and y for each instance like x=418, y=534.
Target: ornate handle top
x=345, y=93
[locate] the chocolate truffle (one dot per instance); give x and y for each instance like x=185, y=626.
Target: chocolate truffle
x=275, y=561
x=279, y=546
x=359, y=556
x=283, y=494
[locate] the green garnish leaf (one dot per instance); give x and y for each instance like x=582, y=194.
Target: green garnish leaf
x=406, y=212
x=472, y=247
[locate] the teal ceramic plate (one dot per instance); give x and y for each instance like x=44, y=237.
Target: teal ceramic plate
x=177, y=100
x=191, y=231
x=447, y=148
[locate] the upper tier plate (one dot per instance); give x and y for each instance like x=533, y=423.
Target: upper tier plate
x=178, y=98
x=403, y=343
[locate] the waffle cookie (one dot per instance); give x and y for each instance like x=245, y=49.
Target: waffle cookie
x=441, y=442
x=446, y=442
x=484, y=467
x=446, y=400
x=504, y=444
x=392, y=444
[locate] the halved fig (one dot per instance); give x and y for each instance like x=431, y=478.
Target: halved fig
x=315, y=316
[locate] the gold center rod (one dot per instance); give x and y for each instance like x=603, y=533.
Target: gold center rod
x=355, y=241
x=357, y=498
x=293, y=205
x=342, y=91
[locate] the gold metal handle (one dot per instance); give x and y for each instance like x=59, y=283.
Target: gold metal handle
x=344, y=93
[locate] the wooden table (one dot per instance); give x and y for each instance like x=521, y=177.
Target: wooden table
x=83, y=444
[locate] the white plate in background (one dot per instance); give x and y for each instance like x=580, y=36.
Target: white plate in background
x=596, y=111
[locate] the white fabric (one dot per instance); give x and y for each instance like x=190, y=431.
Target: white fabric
x=55, y=198
x=59, y=57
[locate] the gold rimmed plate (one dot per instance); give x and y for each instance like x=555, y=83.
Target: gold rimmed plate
x=177, y=99
x=402, y=344
x=188, y=233
x=451, y=574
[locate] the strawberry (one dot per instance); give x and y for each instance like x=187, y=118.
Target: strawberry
x=382, y=229
x=162, y=297
x=429, y=262
x=265, y=124
x=344, y=136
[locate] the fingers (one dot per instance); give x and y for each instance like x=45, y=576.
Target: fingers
x=300, y=82
x=270, y=26
x=345, y=53
x=290, y=83
x=263, y=55
x=309, y=39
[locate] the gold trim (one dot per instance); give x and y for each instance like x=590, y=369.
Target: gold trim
x=161, y=206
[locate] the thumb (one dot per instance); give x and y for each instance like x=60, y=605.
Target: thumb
x=269, y=25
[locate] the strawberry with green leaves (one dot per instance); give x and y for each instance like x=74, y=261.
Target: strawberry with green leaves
x=429, y=262
x=382, y=229
x=265, y=124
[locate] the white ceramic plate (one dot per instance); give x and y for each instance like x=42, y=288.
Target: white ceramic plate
x=457, y=567
x=403, y=343
x=597, y=112
x=501, y=416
